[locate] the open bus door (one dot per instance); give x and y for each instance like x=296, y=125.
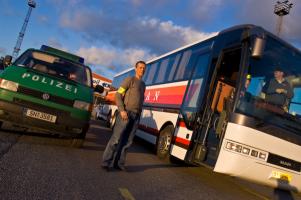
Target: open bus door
x=219, y=101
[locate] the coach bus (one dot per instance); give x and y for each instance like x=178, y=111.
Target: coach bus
x=195, y=110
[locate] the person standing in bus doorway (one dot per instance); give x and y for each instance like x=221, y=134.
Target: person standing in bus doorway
x=278, y=90
x=245, y=95
x=129, y=100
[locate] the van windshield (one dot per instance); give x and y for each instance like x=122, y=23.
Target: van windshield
x=55, y=66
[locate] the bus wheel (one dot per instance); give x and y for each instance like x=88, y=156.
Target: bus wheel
x=108, y=120
x=164, y=142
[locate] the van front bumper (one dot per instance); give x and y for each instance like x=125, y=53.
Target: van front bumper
x=64, y=125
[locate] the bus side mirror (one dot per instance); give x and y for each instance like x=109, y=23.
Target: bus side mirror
x=7, y=61
x=99, y=89
x=258, y=48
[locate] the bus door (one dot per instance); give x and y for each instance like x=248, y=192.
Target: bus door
x=193, y=98
x=211, y=119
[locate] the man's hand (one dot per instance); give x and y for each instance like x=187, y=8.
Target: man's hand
x=279, y=91
x=124, y=115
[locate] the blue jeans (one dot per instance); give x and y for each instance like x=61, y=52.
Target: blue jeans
x=121, y=139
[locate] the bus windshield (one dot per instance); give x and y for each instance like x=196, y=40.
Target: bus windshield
x=55, y=66
x=272, y=87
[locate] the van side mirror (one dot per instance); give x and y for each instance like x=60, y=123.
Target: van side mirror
x=7, y=61
x=99, y=89
x=258, y=47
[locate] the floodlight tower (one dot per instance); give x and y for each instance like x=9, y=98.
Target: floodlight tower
x=31, y=4
x=281, y=9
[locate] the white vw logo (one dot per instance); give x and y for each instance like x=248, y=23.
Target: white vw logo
x=45, y=96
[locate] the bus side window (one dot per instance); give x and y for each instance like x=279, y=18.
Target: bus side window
x=173, y=63
x=144, y=78
x=183, y=65
x=162, y=69
x=151, y=74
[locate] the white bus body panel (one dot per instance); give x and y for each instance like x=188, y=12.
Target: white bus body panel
x=182, y=138
x=257, y=169
x=154, y=120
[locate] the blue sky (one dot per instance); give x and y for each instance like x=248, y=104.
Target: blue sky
x=113, y=34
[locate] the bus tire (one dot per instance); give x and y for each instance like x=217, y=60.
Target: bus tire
x=164, y=142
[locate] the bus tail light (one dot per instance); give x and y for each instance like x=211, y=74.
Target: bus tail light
x=9, y=85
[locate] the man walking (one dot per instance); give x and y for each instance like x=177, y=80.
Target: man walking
x=129, y=100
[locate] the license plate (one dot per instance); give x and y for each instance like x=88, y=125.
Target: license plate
x=40, y=115
x=281, y=176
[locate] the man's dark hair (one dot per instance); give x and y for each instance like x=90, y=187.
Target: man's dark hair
x=139, y=62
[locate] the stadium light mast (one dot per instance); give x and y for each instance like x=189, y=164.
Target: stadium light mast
x=31, y=4
x=281, y=9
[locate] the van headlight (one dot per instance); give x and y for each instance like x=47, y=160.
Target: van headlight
x=9, y=85
x=82, y=105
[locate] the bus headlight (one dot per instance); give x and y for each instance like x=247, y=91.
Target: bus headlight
x=9, y=85
x=82, y=105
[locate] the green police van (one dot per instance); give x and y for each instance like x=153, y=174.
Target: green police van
x=49, y=91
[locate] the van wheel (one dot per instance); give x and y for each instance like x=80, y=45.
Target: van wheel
x=164, y=142
x=78, y=141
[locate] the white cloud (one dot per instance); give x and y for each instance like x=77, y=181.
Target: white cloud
x=98, y=56
x=146, y=33
x=111, y=58
x=185, y=35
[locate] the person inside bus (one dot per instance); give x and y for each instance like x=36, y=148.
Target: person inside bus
x=129, y=99
x=245, y=95
x=278, y=91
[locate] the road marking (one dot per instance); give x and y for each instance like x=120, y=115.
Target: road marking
x=126, y=194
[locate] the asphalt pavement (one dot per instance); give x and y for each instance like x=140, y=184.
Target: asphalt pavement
x=34, y=167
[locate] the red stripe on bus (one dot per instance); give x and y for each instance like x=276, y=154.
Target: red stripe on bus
x=182, y=141
x=167, y=95
x=182, y=124
x=149, y=130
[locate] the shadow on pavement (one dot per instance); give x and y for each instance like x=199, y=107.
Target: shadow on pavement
x=140, y=168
